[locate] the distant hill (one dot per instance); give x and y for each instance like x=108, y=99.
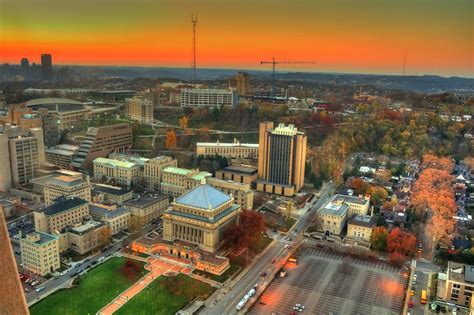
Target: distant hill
x=426, y=83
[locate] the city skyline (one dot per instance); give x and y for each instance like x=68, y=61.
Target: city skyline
x=435, y=37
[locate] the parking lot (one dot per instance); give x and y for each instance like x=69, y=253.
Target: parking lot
x=325, y=282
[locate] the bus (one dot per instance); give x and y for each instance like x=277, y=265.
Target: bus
x=423, y=297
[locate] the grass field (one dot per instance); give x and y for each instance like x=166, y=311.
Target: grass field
x=96, y=288
x=166, y=295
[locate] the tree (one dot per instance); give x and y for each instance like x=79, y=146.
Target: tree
x=378, y=195
x=130, y=269
x=247, y=233
x=378, y=239
x=184, y=122
x=401, y=242
x=358, y=184
x=171, y=139
x=396, y=258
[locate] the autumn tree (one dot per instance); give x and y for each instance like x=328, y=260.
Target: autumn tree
x=358, y=184
x=248, y=232
x=105, y=236
x=130, y=270
x=171, y=140
x=378, y=195
x=402, y=242
x=378, y=239
x=184, y=122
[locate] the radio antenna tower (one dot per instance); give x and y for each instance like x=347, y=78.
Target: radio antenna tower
x=404, y=64
x=194, y=20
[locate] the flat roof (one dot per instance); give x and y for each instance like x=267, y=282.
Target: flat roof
x=144, y=201
x=44, y=238
x=114, y=163
x=239, y=169
x=113, y=190
x=363, y=220
x=85, y=227
x=64, y=204
x=227, y=144
x=331, y=207
x=178, y=170
x=108, y=213
x=353, y=199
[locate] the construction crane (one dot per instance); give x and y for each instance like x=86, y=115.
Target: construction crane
x=274, y=63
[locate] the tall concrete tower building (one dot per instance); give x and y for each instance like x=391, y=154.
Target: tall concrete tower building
x=46, y=67
x=281, y=159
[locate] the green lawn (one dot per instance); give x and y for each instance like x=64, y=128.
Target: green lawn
x=229, y=273
x=166, y=295
x=96, y=288
x=288, y=224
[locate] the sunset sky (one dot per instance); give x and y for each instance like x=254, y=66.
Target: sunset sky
x=364, y=36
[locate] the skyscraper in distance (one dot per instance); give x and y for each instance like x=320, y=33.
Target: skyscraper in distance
x=25, y=68
x=46, y=67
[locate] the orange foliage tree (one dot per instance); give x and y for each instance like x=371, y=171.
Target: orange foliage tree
x=401, y=242
x=171, y=139
x=433, y=193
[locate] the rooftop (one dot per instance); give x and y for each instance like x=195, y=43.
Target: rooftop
x=85, y=227
x=334, y=207
x=108, y=213
x=460, y=272
x=204, y=197
x=114, y=163
x=64, y=204
x=216, y=218
x=353, y=199
x=227, y=144
x=43, y=238
x=144, y=201
x=240, y=169
x=363, y=220
x=113, y=190
x=178, y=171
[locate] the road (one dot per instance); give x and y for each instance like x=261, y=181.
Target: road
x=227, y=304
x=63, y=281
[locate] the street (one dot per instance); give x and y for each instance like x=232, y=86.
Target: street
x=227, y=304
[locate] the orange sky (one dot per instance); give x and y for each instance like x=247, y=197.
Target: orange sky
x=367, y=36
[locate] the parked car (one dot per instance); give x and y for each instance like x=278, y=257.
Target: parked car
x=39, y=289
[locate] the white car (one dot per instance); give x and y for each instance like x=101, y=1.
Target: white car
x=101, y=259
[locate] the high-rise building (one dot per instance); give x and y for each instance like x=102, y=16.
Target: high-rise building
x=100, y=142
x=209, y=98
x=281, y=159
x=25, y=68
x=242, y=83
x=21, y=152
x=139, y=108
x=46, y=67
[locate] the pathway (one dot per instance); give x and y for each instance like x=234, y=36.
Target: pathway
x=156, y=268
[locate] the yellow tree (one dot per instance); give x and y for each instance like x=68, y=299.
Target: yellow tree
x=184, y=122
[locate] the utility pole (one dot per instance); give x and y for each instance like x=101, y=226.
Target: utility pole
x=404, y=64
x=194, y=20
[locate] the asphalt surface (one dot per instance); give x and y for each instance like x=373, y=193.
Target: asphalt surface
x=269, y=262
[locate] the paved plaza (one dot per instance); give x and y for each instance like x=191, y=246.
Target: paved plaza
x=331, y=283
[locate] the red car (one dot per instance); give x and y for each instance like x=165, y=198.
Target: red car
x=410, y=304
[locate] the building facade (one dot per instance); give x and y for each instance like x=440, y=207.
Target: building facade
x=281, y=159
x=456, y=286
x=332, y=216
x=209, y=98
x=139, y=109
x=124, y=173
x=176, y=181
x=88, y=236
x=116, y=218
x=61, y=155
x=242, y=193
x=239, y=174
x=235, y=150
x=200, y=217
x=66, y=211
x=67, y=183
x=153, y=171
x=100, y=142
x=146, y=208
x=360, y=227
x=110, y=194
x=40, y=253
x=46, y=67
